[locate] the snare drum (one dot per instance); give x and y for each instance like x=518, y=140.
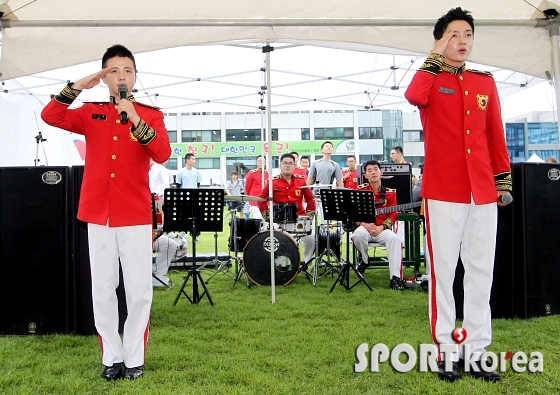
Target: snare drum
x=256, y=258
x=246, y=228
x=284, y=213
x=303, y=226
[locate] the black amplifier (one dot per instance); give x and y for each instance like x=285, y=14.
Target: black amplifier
x=395, y=176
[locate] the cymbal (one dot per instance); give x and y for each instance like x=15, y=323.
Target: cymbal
x=318, y=186
x=244, y=198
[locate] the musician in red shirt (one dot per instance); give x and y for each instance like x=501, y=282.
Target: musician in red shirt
x=287, y=188
x=115, y=201
x=298, y=169
x=254, y=183
x=349, y=174
x=380, y=231
x=460, y=113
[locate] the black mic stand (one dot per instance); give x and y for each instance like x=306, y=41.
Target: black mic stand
x=350, y=206
x=198, y=210
x=39, y=138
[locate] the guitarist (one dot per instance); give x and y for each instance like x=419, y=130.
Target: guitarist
x=380, y=231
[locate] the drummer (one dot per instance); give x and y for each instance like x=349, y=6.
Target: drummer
x=286, y=188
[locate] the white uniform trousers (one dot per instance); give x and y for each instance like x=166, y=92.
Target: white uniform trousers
x=256, y=212
x=308, y=242
x=166, y=249
x=133, y=244
x=471, y=230
x=389, y=239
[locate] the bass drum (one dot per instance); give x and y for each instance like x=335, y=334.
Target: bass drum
x=335, y=239
x=246, y=228
x=256, y=258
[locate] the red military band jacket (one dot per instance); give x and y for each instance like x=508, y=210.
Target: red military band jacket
x=115, y=186
x=253, y=183
x=289, y=192
x=352, y=181
x=464, y=141
x=387, y=219
x=301, y=171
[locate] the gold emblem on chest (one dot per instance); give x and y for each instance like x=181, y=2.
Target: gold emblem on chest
x=482, y=101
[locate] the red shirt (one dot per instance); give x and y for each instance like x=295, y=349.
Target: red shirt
x=390, y=200
x=115, y=186
x=253, y=183
x=301, y=171
x=465, y=146
x=289, y=192
x=352, y=181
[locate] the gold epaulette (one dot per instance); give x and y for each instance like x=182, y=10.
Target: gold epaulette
x=362, y=186
x=276, y=177
x=489, y=74
x=345, y=169
x=148, y=105
x=298, y=176
x=254, y=171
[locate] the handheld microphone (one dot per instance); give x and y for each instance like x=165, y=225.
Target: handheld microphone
x=506, y=199
x=123, y=94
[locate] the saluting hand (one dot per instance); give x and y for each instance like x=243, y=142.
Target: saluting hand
x=91, y=80
x=441, y=45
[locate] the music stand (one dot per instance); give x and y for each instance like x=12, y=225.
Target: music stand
x=196, y=210
x=350, y=206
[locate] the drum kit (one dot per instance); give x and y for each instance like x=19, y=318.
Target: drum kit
x=251, y=237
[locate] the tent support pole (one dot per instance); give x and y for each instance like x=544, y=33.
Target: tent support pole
x=267, y=49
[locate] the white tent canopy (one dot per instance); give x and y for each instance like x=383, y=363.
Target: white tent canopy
x=45, y=35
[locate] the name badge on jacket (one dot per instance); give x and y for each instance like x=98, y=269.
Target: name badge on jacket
x=447, y=91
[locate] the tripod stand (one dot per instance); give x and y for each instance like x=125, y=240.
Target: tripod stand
x=194, y=209
x=351, y=206
x=235, y=260
x=220, y=266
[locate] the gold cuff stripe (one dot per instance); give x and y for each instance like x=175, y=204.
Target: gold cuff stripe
x=503, y=181
x=67, y=95
x=436, y=63
x=388, y=222
x=144, y=133
x=433, y=64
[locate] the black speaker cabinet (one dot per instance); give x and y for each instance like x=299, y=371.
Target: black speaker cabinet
x=536, y=195
x=501, y=297
x=34, y=220
x=395, y=176
x=82, y=304
x=527, y=263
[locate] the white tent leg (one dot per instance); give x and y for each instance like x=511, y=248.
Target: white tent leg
x=267, y=49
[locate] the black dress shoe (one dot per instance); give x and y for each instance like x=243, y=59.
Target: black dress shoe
x=112, y=372
x=448, y=375
x=362, y=267
x=396, y=283
x=134, y=373
x=482, y=374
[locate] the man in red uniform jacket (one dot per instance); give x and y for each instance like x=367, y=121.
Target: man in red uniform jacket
x=287, y=188
x=380, y=231
x=115, y=201
x=460, y=112
x=253, y=185
x=349, y=174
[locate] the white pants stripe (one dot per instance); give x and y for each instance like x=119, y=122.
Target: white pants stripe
x=468, y=229
x=389, y=239
x=133, y=244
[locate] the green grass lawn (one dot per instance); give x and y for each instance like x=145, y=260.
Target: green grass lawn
x=303, y=344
